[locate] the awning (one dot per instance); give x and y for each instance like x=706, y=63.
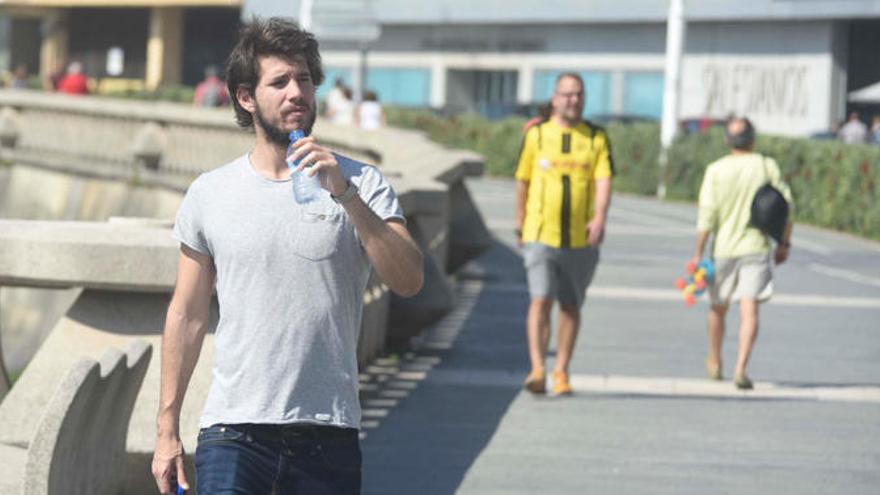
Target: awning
x=868, y=94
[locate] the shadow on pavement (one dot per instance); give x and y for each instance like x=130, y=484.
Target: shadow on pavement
x=830, y=385
x=432, y=436
x=618, y=396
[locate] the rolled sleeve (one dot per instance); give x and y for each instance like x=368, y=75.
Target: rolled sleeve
x=707, y=214
x=378, y=194
x=189, y=223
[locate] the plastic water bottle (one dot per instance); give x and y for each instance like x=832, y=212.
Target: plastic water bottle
x=305, y=188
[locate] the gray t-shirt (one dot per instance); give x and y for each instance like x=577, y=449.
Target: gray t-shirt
x=290, y=283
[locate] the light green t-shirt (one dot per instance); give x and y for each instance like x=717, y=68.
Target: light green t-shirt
x=729, y=186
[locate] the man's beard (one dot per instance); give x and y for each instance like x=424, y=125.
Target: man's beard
x=277, y=135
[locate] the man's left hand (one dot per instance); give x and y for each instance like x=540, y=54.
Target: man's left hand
x=322, y=161
x=596, y=231
x=781, y=254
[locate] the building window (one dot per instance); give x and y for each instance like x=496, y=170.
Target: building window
x=127, y=28
x=209, y=34
x=487, y=92
x=643, y=94
x=394, y=86
x=330, y=76
x=598, y=87
x=404, y=87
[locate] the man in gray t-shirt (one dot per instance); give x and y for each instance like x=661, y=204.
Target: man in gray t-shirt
x=282, y=413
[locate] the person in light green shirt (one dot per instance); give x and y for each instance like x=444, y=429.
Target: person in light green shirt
x=740, y=252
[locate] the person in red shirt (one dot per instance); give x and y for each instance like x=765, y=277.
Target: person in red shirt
x=74, y=82
x=211, y=92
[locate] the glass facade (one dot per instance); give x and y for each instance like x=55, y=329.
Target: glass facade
x=403, y=87
x=330, y=76
x=395, y=86
x=488, y=92
x=643, y=94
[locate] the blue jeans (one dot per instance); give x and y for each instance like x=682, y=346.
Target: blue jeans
x=278, y=459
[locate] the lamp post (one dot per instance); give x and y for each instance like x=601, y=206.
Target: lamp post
x=344, y=20
x=675, y=32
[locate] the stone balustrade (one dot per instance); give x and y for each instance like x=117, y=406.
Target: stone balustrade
x=76, y=443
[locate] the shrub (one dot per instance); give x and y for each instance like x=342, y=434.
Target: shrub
x=498, y=141
x=635, y=149
x=180, y=94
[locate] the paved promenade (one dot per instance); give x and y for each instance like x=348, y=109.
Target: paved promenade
x=450, y=417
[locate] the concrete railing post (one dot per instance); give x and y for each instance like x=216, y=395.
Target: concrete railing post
x=5, y=384
x=9, y=128
x=149, y=146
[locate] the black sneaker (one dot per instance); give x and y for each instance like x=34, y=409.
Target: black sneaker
x=743, y=382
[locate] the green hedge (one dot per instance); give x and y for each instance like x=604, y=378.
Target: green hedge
x=834, y=185
x=179, y=94
x=635, y=149
x=499, y=141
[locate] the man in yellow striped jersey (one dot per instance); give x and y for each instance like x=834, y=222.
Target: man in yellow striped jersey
x=563, y=192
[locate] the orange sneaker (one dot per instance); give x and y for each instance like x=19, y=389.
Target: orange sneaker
x=560, y=383
x=535, y=382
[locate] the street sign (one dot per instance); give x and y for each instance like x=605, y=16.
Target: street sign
x=340, y=20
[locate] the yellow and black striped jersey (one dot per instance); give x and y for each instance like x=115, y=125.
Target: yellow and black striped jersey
x=562, y=165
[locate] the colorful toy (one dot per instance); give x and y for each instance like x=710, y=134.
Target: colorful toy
x=699, y=277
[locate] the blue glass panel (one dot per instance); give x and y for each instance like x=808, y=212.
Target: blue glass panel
x=598, y=86
x=643, y=94
x=330, y=75
x=405, y=87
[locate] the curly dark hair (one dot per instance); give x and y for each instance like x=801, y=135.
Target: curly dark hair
x=276, y=36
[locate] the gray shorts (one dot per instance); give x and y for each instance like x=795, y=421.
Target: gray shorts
x=561, y=274
x=745, y=277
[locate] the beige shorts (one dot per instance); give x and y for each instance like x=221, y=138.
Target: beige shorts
x=745, y=277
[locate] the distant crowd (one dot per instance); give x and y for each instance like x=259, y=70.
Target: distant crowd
x=70, y=80
x=339, y=104
x=855, y=131
x=341, y=108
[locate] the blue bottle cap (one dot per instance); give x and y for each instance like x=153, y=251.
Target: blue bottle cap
x=296, y=134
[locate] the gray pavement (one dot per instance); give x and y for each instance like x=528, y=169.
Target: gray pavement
x=450, y=416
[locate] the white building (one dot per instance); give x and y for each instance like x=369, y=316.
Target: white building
x=787, y=64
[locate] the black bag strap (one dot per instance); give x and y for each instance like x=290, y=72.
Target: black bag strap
x=540, y=135
x=764, y=166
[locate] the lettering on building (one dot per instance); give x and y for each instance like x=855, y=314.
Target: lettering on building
x=482, y=45
x=748, y=89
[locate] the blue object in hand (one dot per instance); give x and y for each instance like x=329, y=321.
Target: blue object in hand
x=700, y=277
x=180, y=490
x=305, y=188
